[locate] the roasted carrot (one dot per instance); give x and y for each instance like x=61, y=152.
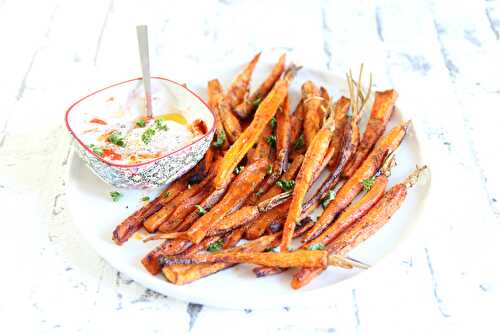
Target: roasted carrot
x=183, y=209
x=211, y=200
x=233, y=220
x=196, y=272
x=229, y=121
x=168, y=247
x=134, y=222
x=203, y=245
x=289, y=174
x=312, y=116
x=340, y=113
x=297, y=125
x=353, y=212
x=282, y=146
x=154, y=221
x=354, y=185
x=264, y=146
x=249, y=105
x=244, y=184
x=381, y=113
x=233, y=238
x=263, y=115
x=258, y=228
x=214, y=94
x=314, y=155
x=239, y=87
x=363, y=228
x=299, y=258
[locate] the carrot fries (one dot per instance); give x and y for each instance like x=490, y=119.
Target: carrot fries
x=365, y=227
x=380, y=115
x=250, y=104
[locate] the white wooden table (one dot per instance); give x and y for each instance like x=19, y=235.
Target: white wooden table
x=443, y=57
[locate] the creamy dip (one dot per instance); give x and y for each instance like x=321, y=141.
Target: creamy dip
x=115, y=127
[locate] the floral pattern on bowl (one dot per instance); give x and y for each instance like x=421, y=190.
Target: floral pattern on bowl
x=153, y=173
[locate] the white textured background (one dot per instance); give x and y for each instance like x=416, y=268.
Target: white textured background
x=443, y=57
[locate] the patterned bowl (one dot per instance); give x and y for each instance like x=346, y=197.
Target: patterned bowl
x=156, y=172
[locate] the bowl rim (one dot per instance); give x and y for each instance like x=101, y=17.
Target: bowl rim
x=126, y=166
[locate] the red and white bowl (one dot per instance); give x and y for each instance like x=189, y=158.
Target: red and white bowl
x=156, y=172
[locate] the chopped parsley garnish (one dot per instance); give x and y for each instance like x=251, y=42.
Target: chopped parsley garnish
x=115, y=196
x=141, y=123
x=285, y=185
x=273, y=122
x=259, y=192
x=299, y=142
x=216, y=246
x=166, y=194
x=160, y=125
x=327, y=198
x=117, y=139
x=269, y=169
x=200, y=210
x=219, y=139
x=256, y=101
x=271, y=140
x=96, y=150
x=146, y=198
x=238, y=169
x=368, y=183
x=147, y=136
x=273, y=249
x=317, y=246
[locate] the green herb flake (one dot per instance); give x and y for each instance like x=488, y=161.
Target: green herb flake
x=316, y=247
x=220, y=137
x=327, y=198
x=269, y=169
x=256, y=101
x=299, y=142
x=368, y=183
x=117, y=139
x=259, y=192
x=147, y=136
x=286, y=185
x=146, y=198
x=200, y=210
x=141, y=123
x=96, y=150
x=238, y=169
x=216, y=246
x=166, y=194
x=271, y=140
x=273, y=122
x=160, y=125
x=272, y=249
x=115, y=196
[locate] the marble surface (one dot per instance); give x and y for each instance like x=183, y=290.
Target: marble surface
x=441, y=55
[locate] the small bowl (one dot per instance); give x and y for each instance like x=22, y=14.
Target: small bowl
x=156, y=172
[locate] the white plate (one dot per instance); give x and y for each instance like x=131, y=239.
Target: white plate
x=96, y=216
